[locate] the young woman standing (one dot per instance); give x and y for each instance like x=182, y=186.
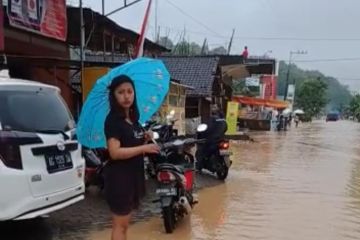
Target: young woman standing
x=124, y=174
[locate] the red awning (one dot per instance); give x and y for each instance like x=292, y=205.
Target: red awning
x=261, y=102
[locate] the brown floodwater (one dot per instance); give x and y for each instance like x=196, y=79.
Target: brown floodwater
x=301, y=184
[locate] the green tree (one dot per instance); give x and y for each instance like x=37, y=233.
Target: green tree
x=239, y=88
x=182, y=48
x=166, y=42
x=186, y=48
x=312, y=97
x=195, y=49
x=218, y=51
x=354, y=106
x=339, y=95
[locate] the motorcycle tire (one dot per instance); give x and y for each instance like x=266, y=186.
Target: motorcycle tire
x=222, y=172
x=169, y=219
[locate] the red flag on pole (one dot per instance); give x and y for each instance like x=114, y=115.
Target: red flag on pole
x=139, y=50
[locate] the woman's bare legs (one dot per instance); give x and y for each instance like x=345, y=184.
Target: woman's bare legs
x=120, y=227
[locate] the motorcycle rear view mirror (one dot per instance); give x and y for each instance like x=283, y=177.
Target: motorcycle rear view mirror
x=202, y=127
x=156, y=135
x=171, y=115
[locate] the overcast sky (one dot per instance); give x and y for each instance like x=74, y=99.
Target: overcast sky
x=326, y=29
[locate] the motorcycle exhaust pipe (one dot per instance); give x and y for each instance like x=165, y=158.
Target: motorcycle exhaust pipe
x=185, y=203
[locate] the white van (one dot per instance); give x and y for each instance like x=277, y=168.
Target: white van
x=41, y=167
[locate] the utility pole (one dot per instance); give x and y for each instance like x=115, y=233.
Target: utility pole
x=156, y=21
x=103, y=7
x=125, y=5
x=166, y=38
x=158, y=35
x=82, y=55
x=203, y=47
x=231, y=40
x=82, y=35
x=288, y=70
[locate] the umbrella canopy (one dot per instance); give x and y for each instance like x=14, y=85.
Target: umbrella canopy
x=151, y=80
x=299, y=111
x=287, y=111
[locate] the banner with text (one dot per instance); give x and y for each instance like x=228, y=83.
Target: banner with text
x=45, y=17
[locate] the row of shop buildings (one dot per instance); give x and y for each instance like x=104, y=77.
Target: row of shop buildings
x=198, y=82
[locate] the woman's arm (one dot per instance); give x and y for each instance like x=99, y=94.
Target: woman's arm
x=117, y=152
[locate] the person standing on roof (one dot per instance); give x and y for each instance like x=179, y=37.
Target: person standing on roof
x=245, y=53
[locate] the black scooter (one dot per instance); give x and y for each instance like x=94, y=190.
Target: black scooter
x=218, y=161
x=165, y=133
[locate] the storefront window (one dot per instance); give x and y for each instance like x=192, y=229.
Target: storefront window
x=173, y=89
x=182, y=101
x=173, y=100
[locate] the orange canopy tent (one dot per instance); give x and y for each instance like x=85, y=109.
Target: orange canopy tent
x=261, y=102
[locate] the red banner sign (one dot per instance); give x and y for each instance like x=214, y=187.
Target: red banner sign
x=269, y=82
x=45, y=17
x=1, y=27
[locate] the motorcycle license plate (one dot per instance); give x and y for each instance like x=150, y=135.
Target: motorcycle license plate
x=166, y=191
x=225, y=153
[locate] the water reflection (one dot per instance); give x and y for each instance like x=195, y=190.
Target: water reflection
x=302, y=184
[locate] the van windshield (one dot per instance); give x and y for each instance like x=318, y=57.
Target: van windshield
x=33, y=111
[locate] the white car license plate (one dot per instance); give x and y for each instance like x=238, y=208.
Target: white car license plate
x=58, y=162
x=166, y=191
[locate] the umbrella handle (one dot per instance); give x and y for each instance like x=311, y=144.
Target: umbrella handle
x=152, y=139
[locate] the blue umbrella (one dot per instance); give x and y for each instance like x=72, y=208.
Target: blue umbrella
x=151, y=80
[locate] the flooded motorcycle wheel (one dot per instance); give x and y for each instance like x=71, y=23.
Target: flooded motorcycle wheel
x=222, y=172
x=169, y=219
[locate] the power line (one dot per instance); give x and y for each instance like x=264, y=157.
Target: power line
x=329, y=60
x=193, y=18
x=180, y=31
x=299, y=39
x=265, y=38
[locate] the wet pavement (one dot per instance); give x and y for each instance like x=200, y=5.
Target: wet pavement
x=300, y=184
x=79, y=221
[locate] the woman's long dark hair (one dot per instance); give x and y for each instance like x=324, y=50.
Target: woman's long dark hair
x=114, y=105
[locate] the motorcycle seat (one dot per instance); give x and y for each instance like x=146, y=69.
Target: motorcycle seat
x=171, y=167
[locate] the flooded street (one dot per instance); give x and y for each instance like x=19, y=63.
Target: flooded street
x=302, y=184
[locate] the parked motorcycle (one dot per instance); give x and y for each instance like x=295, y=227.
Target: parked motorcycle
x=166, y=132
x=213, y=156
x=95, y=161
x=175, y=177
